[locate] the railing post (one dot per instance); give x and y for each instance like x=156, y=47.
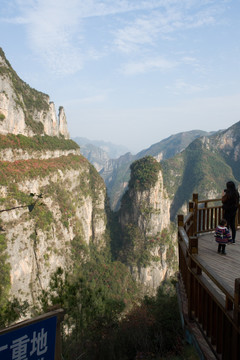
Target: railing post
x=238, y=216
x=58, y=345
x=237, y=301
x=236, y=317
x=180, y=220
x=193, y=245
x=195, y=216
x=191, y=211
x=190, y=206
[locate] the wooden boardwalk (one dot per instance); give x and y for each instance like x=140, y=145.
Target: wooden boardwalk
x=224, y=268
x=209, y=283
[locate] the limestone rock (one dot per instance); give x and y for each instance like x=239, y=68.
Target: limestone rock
x=63, y=130
x=39, y=239
x=149, y=213
x=24, y=110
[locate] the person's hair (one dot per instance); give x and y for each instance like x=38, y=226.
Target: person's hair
x=231, y=190
x=222, y=222
x=231, y=186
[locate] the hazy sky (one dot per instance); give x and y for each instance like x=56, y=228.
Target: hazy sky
x=132, y=72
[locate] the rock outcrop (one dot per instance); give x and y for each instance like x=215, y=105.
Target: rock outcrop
x=24, y=110
x=150, y=209
x=63, y=130
x=20, y=154
x=149, y=246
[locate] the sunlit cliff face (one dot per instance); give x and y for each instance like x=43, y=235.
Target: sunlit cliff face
x=40, y=239
x=26, y=111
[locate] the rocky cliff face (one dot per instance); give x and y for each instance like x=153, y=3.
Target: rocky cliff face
x=52, y=200
x=97, y=157
x=24, y=110
x=66, y=209
x=148, y=243
x=12, y=155
x=150, y=209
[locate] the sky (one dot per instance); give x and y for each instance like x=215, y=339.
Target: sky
x=132, y=72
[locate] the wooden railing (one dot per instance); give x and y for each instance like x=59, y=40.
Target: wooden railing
x=214, y=307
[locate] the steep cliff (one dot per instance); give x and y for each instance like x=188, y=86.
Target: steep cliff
x=49, y=210
x=148, y=242
x=52, y=200
x=24, y=110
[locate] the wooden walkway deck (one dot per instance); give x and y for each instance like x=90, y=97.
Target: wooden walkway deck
x=209, y=283
x=225, y=268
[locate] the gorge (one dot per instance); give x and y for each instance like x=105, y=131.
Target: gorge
x=58, y=230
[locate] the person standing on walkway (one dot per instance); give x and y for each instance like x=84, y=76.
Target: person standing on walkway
x=230, y=201
x=222, y=236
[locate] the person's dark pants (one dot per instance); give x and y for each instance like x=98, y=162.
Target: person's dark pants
x=221, y=248
x=231, y=224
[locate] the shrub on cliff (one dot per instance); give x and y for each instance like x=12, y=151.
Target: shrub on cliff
x=144, y=173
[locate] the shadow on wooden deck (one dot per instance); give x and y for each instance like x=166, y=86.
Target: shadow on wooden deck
x=226, y=268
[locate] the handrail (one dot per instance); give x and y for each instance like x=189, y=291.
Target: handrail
x=207, y=217
x=222, y=307
x=209, y=200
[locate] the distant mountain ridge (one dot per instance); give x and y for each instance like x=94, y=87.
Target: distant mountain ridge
x=116, y=173
x=172, y=145
x=203, y=167
x=112, y=151
x=192, y=161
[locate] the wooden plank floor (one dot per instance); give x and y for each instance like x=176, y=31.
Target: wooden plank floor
x=227, y=267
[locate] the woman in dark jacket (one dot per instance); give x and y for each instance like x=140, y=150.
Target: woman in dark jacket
x=230, y=200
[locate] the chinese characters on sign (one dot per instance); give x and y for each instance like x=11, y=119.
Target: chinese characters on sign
x=32, y=342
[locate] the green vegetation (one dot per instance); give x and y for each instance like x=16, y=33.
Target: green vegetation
x=15, y=195
x=93, y=295
x=11, y=311
x=4, y=271
x=131, y=244
x=144, y=173
x=2, y=117
x=136, y=249
x=63, y=199
x=36, y=126
x=96, y=300
x=37, y=209
x=23, y=169
x=151, y=330
x=36, y=142
x=43, y=217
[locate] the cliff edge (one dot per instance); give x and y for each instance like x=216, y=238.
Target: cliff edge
x=24, y=110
